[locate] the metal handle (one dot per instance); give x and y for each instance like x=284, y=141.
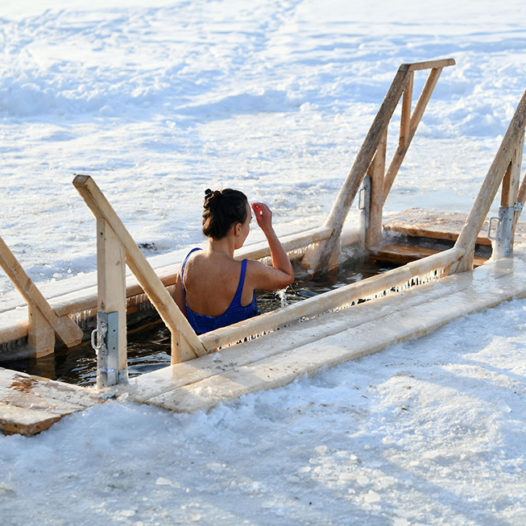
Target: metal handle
x=491, y=228
x=98, y=336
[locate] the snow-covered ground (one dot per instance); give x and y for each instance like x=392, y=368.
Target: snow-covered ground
x=160, y=100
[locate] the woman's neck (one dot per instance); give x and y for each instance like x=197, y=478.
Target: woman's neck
x=226, y=246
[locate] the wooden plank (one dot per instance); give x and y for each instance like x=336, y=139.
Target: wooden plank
x=401, y=254
x=329, y=300
x=40, y=335
x=476, y=292
x=31, y=404
x=25, y=422
x=428, y=64
x=190, y=346
x=15, y=331
x=405, y=119
x=67, y=330
x=49, y=389
x=489, y=188
x=432, y=224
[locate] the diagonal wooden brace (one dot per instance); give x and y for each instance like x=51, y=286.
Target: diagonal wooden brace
x=40, y=312
x=185, y=343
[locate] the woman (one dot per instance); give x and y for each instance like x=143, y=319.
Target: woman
x=213, y=289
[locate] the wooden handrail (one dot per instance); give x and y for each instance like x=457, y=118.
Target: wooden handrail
x=330, y=300
x=490, y=186
x=43, y=320
x=185, y=343
x=428, y=64
x=318, y=259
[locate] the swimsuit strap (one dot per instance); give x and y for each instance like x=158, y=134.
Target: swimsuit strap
x=237, y=296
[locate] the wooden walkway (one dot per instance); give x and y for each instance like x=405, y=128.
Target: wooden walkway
x=306, y=347
x=29, y=404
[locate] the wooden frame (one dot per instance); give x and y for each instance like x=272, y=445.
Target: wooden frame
x=115, y=246
x=43, y=320
x=319, y=259
x=507, y=160
x=185, y=344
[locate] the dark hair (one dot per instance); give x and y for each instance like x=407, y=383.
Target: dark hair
x=223, y=208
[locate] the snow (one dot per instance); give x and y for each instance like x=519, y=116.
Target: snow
x=160, y=100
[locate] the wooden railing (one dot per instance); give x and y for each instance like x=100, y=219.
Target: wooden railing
x=115, y=248
x=43, y=321
x=436, y=266
x=371, y=161
x=505, y=171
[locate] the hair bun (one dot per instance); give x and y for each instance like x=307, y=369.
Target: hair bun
x=208, y=192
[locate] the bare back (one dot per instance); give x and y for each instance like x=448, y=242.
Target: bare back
x=211, y=280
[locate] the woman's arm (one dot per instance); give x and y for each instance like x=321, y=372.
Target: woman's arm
x=280, y=274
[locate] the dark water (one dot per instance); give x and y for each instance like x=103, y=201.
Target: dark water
x=149, y=343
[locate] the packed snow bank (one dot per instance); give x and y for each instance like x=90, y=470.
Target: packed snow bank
x=430, y=431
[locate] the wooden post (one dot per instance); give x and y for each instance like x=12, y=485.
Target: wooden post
x=376, y=172
x=408, y=129
x=503, y=246
x=186, y=347
x=405, y=119
x=40, y=334
x=488, y=190
x=43, y=321
x=111, y=294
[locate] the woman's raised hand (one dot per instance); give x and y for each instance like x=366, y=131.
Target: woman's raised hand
x=263, y=215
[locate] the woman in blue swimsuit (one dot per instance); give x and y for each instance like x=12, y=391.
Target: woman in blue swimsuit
x=213, y=289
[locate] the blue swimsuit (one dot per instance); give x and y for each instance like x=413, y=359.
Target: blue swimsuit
x=234, y=313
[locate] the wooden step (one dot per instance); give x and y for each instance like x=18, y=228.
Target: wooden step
x=399, y=254
x=30, y=404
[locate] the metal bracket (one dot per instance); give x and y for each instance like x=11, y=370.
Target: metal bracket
x=502, y=238
x=493, y=227
x=105, y=342
x=364, y=204
x=518, y=206
x=364, y=195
